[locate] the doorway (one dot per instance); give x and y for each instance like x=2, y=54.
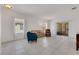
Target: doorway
x=62, y=28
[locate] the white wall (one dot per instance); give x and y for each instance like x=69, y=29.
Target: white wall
x=0, y=24
x=8, y=17
x=53, y=28
x=69, y=16
x=34, y=23
x=74, y=27
x=0, y=29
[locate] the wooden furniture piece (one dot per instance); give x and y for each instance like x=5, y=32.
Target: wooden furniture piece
x=77, y=41
x=47, y=33
x=39, y=33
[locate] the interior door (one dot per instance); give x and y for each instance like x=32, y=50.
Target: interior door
x=77, y=41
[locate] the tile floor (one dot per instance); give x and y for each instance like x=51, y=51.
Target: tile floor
x=44, y=46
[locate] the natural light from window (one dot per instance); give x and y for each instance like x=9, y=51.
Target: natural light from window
x=19, y=25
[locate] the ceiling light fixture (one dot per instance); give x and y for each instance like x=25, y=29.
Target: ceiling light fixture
x=9, y=6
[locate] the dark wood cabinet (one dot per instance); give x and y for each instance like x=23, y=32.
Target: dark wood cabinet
x=48, y=33
x=77, y=41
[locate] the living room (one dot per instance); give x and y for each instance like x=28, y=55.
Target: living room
x=37, y=19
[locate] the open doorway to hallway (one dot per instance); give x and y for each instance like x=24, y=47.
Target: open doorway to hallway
x=62, y=28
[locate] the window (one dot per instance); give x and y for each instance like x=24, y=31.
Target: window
x=19, y=25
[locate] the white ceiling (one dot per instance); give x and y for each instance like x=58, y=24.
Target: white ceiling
x=45, y=10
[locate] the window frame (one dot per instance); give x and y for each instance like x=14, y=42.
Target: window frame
x=17, y=20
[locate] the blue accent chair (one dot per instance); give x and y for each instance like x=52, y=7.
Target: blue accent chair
x=31, y=37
